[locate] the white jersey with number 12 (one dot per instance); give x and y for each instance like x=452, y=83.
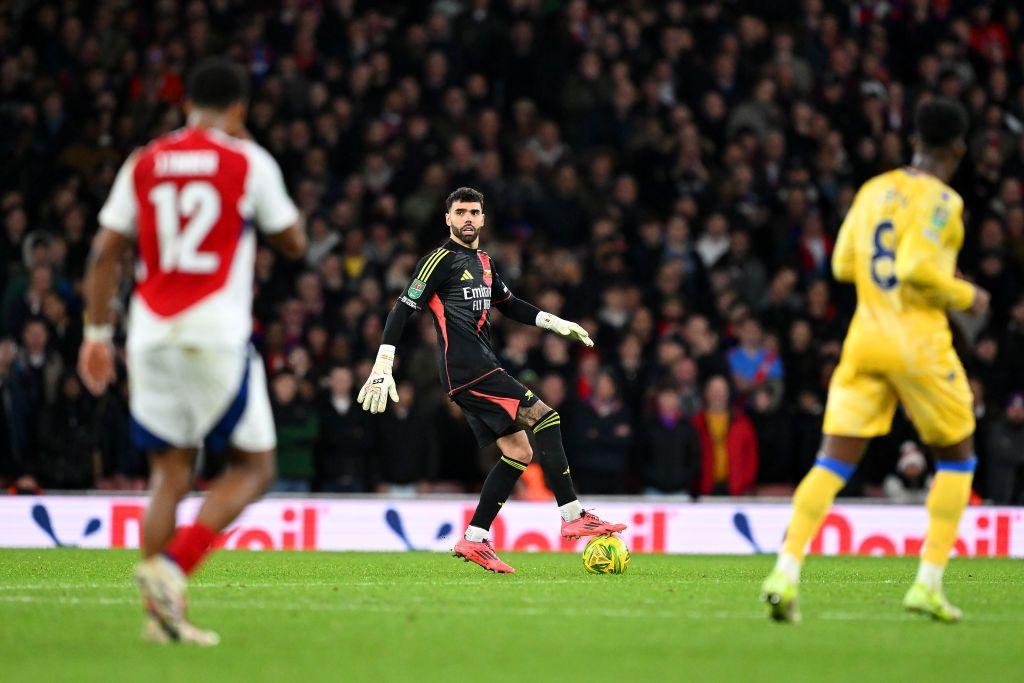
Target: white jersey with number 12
x=191, y=200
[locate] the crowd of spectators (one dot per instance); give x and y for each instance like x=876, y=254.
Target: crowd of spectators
x=670, y=174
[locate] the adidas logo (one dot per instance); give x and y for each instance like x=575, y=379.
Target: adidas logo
x=466, y=275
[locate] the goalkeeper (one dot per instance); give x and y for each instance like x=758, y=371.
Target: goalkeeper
x=456, y=282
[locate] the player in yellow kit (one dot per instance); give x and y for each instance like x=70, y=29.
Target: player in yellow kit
x=898, y=245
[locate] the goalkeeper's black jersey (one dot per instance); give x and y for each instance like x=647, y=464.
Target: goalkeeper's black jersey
x=455, y=283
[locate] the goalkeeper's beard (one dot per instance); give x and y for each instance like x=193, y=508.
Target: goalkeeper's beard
x=464, y=237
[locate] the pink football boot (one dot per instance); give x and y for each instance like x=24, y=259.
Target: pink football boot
x=481, y=553
x=589, y=525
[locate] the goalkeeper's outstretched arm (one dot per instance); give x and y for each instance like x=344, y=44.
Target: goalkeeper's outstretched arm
x=516, y=309
x=528, y=314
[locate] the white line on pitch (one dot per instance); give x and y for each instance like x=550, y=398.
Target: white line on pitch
x=342, y=607
x=467, y=581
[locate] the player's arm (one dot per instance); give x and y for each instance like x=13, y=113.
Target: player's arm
x=117, y=221
x=290, y=242
x=524, y=312
x=96, y=358
x=843, y=255
x=273, y=210
x=919, y=253
x=510, y=305
x=430, y=272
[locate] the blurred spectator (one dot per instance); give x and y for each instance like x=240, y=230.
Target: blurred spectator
x=986, y=366
x=344, y=443
x=602, y=437
x=1012, y=347
x=12, y=438
x=704, y=345
x=751, y=363
x=24, y=299
x=910, y=482
x=685, y=374
x=404, y=464
x=65, y=335
x=672, y=447
x=1006, y=454
x=35, y=381
x=809, y=413
x=800, y=360
x=633, y=374
x=728, y=445
x=714, y=243
x=815, y=247
x=773, y=425
x=781, y=303
x=296, y=423
x=745, y=269
x=67, y=458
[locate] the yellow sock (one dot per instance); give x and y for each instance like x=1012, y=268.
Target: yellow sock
x=811, y=503
x=950, y=492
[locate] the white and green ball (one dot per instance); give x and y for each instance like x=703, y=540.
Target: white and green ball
x=605, y=555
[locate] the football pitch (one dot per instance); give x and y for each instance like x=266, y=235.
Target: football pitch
x=71, y=614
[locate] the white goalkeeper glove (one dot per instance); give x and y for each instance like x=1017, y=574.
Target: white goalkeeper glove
x=380, y=384
x=565, y=328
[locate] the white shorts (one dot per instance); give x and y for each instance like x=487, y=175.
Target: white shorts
x=187, y=397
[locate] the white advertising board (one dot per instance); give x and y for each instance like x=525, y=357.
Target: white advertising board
x=404, y=524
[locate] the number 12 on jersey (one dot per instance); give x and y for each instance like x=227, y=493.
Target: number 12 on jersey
x=198, y=201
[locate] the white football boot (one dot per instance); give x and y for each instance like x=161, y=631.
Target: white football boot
x=162, y=585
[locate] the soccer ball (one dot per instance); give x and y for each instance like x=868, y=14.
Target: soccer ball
x=605, y=555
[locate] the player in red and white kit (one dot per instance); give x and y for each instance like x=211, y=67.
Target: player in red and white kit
x=190, y=200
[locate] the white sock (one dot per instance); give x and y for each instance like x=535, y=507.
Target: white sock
x=571, y=511
x=476, y=534
x=788, y=565
x=930, y=575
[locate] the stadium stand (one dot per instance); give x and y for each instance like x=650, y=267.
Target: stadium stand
x=671, y=174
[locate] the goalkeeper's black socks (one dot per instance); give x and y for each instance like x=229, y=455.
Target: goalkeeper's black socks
x=502, y=479
x=497, y=488
x=547, y=434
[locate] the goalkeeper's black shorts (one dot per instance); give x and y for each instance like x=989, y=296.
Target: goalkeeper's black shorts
x=491, y=405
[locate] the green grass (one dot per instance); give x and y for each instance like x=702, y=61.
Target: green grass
x=73, y=615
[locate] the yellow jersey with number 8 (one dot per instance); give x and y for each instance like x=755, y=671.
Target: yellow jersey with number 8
x=898, y=245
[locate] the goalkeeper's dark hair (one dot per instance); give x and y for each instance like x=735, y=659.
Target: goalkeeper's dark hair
x=464, y=194
x=940, y=122
x=217, y=83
